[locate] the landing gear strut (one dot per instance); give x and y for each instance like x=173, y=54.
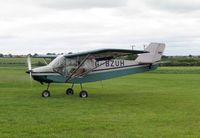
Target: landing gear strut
x=46, y=93
x=69, y=91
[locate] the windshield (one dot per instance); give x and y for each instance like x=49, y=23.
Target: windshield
x=58, y=62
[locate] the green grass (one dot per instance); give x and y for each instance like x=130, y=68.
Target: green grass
x=163, y=103
x=20, y=62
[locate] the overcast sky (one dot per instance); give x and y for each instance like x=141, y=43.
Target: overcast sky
x=62, y=26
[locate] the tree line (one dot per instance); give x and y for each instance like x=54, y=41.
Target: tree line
x=189, y=60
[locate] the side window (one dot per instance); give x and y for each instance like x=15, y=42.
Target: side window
x=70, y=65
x=89, y=64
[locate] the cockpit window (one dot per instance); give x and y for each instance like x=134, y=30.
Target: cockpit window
x=66, y=66
x=71, y=65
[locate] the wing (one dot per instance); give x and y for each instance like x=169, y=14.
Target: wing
x=103, y=54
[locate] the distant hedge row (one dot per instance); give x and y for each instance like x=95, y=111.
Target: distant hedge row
x=22, y=64
x=178, y=61
x=166, y=61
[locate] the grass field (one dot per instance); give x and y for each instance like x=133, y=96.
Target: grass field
x=163, y=103
x=20, y=62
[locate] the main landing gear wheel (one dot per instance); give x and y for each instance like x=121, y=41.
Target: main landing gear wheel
x=46, y=93
x=83, y=94
x=69, y=91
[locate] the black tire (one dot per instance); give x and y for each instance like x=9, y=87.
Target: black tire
x=70, y=91
x=83, y=94
x=46, y=93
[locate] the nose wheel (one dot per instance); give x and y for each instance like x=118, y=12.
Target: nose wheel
x=46, y=93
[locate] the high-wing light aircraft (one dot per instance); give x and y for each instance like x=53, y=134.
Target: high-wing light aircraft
x=95, y=66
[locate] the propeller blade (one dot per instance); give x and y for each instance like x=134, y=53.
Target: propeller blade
x=30, y=75
x=29, y=68
x=29, y=63
x=31, y=81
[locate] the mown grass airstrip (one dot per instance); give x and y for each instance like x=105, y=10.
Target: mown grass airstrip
x=163, y=103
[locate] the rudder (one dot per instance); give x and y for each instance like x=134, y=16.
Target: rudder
x=155, y=53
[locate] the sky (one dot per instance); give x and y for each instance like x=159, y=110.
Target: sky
x=62, y=26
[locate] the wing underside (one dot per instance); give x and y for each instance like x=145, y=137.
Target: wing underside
x=105, y=53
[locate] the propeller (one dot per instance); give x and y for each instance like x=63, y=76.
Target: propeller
x=29, y=62
x=29, y=68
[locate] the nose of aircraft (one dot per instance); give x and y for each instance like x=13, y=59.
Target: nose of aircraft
x=44, y=69
x=29, y=71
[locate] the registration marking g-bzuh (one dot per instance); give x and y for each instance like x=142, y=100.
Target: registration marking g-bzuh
x=111, y=63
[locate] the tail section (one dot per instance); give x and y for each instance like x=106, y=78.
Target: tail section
x=155, y=53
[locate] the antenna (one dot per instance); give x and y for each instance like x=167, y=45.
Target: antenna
x=144, y=47
x=132, y=46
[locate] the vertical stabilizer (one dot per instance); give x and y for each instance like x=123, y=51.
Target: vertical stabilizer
x=155, y=53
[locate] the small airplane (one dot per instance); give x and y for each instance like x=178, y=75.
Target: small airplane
x=94, y=66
